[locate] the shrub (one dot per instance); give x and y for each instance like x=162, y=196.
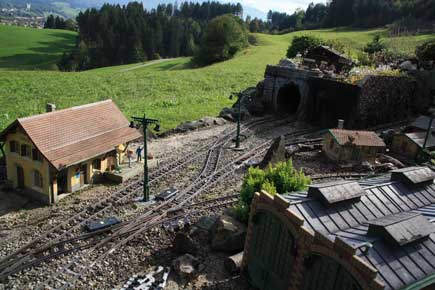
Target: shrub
x=224, y=37
x=282, y=178
x=300, y=44
x=426, y=51
x=375, y=46
x=252, y=39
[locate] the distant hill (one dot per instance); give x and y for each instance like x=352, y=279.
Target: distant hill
x=70, y=8
x=24, y=48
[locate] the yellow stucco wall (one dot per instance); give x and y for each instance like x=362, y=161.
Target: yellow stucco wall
x=14, y=159
x=73, y=179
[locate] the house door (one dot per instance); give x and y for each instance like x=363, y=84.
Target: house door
x=83, y=174
x=270, y=253
x=324, y=273
x=62, y=184
x=20, y=177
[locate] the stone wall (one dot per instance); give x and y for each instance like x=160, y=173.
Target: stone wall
x=376, y=100
x=387, y=99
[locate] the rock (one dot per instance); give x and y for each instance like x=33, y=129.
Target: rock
x=189, y=126
x=206, y=223
x=286, y=62
x=408, y=66
x=275, y=154
x=208, y=121
x=234, y=263
x=185, y=266
x=227, y=114
x=228, y=235
x=183, y=244
x=219, y=121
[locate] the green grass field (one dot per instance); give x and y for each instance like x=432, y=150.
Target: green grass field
x=170, y=90
x=28, y=48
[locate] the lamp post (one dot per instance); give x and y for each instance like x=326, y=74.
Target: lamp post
x=240, y=97
x=145, y=122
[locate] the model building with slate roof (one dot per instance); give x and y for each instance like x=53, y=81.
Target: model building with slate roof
x=383, y=239
x=55, y=153
x=347, y=146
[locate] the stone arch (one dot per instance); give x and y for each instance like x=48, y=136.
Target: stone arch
x=288, y=98
x=323, y=272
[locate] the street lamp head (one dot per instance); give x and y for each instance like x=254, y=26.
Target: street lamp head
x=132, y=125
x=157, y=128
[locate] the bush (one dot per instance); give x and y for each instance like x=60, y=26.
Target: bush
x=282, y=178
x=300, y=44
x=426, y=51
x=224, y=37
x=252, y=39
x=375, y=46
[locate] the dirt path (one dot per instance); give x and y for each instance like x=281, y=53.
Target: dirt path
x=147, y=64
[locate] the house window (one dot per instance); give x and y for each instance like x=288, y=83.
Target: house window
x=96, y=164
x=14, y=147
x=37, y=179
x=25, y=151
x=36, y=155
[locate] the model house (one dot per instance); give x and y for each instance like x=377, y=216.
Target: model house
x=56, y=153
x=347, y=146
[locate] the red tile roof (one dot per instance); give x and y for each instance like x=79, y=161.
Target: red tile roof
x=73, y=135
x=358, y=138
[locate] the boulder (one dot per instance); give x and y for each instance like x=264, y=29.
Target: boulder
x=286, y=62
x=228, y=235
x=408, y=66
x=208, y=121
x=219, y=121
x=276, y=153
x=227, y=114
x=183, y=244
x=206, y=223
x=185, y=266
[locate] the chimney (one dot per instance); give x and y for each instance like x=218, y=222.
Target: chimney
x=340, y=124
x=50, y=108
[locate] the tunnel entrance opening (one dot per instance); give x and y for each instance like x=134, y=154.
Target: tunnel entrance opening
x=288, y=99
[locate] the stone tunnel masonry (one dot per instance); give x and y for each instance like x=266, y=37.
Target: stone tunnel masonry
x=277, y=79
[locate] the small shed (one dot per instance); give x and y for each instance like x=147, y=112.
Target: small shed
x=352, y=146
x=330, y=56
x=410, y=144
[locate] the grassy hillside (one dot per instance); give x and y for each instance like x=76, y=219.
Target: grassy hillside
x=168, y=90
x=27, y=48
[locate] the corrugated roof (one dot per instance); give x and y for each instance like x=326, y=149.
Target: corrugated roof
x=402, y=228
x=334, y=192
x=413, y=175
x=422, y=123
x=69, y=136
x=397, y=267
x=358, y=138
x=419, y=137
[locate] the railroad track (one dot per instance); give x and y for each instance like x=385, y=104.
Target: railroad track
x=29, y=253
x=97, y=252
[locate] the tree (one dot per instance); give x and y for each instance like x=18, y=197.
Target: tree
x=375, y=46
x=224, y=37
x=426, y=51
x=49, y=23
x=300, y=44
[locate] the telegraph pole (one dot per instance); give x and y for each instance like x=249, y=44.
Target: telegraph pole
x=145, y=123
x=240, y=98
